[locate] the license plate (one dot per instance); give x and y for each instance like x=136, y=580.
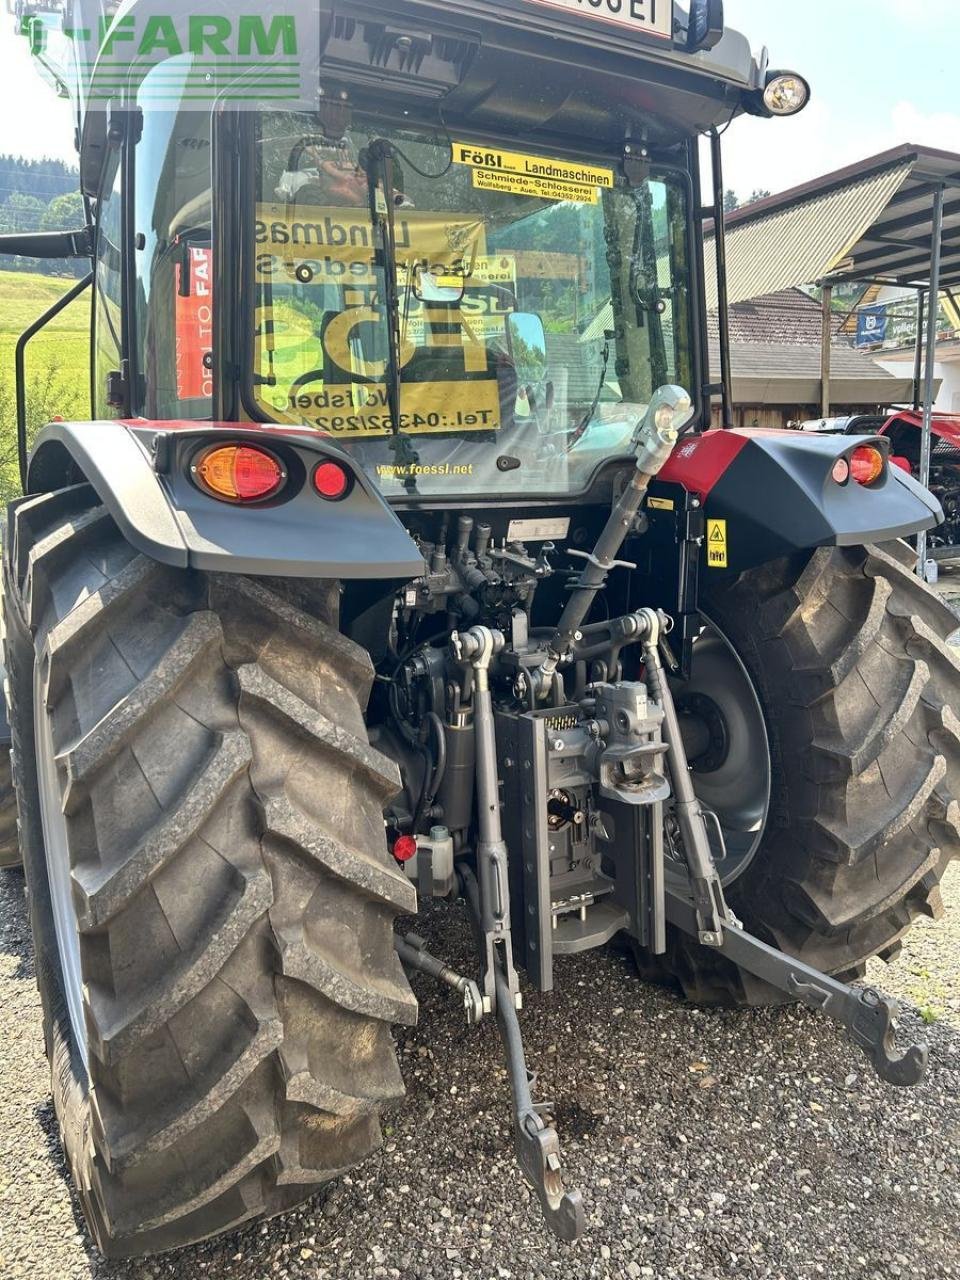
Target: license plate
x=646, y=17
x=538, y=530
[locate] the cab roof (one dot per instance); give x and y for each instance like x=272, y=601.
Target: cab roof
x=544, y=68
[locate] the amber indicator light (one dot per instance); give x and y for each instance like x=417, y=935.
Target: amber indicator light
x=866, y=464
x=239, y=473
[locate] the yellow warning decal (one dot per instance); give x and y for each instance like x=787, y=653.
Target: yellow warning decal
x=660, y=504
x=542, y=176
x=717, y=544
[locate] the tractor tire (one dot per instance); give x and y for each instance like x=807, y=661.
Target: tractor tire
x=860, y=695
x=9, y=834
x=211, y=895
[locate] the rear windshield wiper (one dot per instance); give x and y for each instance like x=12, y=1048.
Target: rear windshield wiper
x=646, y=285
x=379, y=166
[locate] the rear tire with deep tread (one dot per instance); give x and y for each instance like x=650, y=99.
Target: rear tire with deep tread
x=861, y=696
x=9, y=835
x=233, y=892
x=9, y=832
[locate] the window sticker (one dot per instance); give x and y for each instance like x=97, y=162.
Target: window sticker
x=194, y=326
x=361, y=410
x=542, y=177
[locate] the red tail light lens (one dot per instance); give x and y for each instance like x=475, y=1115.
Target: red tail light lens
x=866, y=464
x=239, y=473
x=331, y=481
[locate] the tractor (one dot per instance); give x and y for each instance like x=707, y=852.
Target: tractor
x=398, y=564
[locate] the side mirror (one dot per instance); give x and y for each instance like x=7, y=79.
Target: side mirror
x=527, y=347
x=436, y=286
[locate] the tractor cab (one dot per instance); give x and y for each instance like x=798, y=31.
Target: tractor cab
x=461, y=241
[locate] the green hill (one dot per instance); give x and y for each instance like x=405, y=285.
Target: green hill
x=57, y=361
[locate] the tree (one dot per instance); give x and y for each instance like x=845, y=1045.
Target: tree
x=731, y=201
x=21, y=213
x=41, y=178
x=760, y=193
x=63, y=213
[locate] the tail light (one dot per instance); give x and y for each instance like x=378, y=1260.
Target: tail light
x=331, y=481
x=866, y=464
x=239, y=473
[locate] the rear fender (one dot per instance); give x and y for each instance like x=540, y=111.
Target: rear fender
x=774, y=494
x=141, y=472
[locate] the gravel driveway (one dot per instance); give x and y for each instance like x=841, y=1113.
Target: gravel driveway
x=706, y=1143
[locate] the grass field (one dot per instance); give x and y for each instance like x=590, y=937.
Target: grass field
x=57, y=369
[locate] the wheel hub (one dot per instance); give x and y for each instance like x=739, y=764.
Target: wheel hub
x=705, y=735
x=726, y=739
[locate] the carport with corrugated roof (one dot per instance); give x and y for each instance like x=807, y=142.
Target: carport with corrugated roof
x=893, y=219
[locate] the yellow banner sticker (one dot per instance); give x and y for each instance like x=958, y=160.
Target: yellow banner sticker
x=493, y=160
x=321, y=245
x=299, y=340
x=493, y=268
x=717, y=544
x=540, y=188
x=359, y=410
x=476, y=330
x=484, y=269
x=660, y=504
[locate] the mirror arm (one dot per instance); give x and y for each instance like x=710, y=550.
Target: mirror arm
x=20, y=372
x=49, y=244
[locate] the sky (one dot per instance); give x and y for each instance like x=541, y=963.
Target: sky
x=883, y=72
x=34, y=122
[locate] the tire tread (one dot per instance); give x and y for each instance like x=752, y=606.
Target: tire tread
x=217, y=781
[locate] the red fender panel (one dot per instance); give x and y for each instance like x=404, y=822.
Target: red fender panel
x=699, y=461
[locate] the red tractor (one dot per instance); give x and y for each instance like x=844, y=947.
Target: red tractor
x=397, y=562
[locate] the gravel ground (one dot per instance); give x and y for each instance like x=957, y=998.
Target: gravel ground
x=706, y=1143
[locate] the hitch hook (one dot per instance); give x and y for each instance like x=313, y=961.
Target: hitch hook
x=537, y=1144
x=870, y=1019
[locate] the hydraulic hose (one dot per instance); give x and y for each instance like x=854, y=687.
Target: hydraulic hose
x=668, y=411
x=441, y=757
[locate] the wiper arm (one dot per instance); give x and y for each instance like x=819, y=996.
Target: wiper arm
x=581, y=429
x=380, y=189
x=646, y=286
